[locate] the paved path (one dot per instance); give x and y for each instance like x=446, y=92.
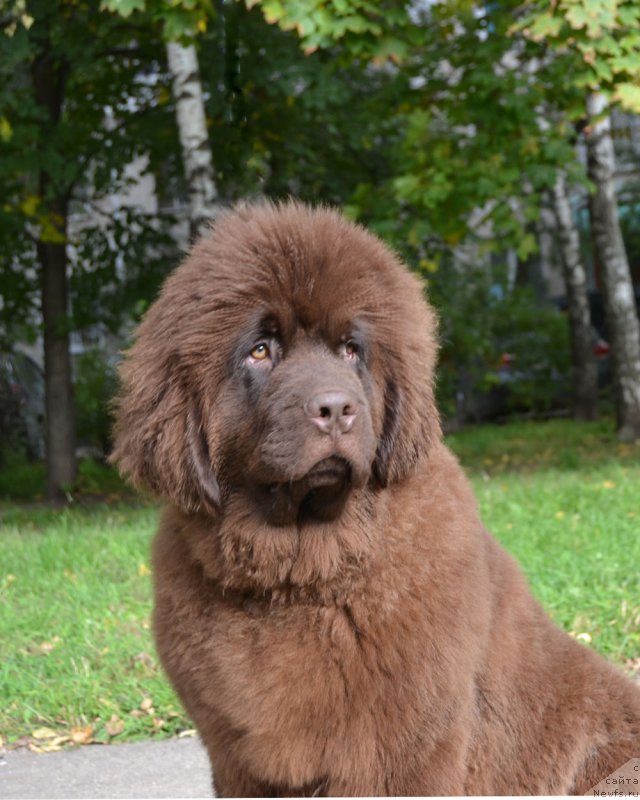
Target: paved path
x=175, y=768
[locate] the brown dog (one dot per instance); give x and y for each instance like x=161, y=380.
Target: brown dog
x=329, y=607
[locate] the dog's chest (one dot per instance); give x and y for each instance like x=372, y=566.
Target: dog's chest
x=294, y=658
x=298, y=682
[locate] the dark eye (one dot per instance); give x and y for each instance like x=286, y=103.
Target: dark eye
x=349, y=350
x=260, y=352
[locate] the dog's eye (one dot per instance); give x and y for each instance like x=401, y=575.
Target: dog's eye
x=260, y=352
x=349, y=350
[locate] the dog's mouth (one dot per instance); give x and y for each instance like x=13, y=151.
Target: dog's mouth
x=330, y=472
x=319, y=495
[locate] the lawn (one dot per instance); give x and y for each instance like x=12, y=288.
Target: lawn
x=564, y=498
x=77, y=659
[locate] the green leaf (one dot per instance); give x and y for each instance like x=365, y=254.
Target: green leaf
x=630, y=63
x=273, y=11
x=578, y=17
x=122, y=7
x=545, y=26
x=628, y=95
x=603, y=70
x=527, y=245
x=629, y=15
x=6, y=131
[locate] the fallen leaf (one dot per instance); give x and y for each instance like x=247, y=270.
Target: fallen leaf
x=114, y=726
x=143, y=570
x=187, y=734
x=43, y=733
x=147, y=705
x=47, y=647
x=53, y=745
x=81, y=734
x=633, y=665
x=145, y=659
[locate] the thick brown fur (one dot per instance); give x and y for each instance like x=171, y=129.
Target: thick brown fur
x=329, y=607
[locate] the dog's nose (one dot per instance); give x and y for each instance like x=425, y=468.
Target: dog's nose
x=333, y=412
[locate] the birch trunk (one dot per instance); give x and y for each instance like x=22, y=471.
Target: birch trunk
x=585, y=373
x=622, y=317
x=194, y=139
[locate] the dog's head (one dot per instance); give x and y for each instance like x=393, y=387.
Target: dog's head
x=290, y=356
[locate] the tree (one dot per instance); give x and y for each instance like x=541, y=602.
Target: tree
x=281, y=122
x=602, y=39
x=192, y=125
x=64, y=68
x=180, y=22
x=49, y=74
x=585, y=377
x=469, y=140
x=472, y=135
x=624, y=330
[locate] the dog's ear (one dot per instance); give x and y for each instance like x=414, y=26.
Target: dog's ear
x=160, y=443
x=408, y=430
x=410, y=420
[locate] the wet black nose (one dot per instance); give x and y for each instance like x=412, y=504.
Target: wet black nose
x=334, y=412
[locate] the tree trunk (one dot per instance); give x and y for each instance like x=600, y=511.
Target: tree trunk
x=192, y=127
x=585, y=373
x=622, y=317
x=49, y=75
x=59, y=404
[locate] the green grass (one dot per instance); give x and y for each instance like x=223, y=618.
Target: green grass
x=74, y=615
x=564, y=499
x=76, y=653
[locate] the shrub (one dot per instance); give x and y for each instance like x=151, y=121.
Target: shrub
x=501, y=350
x=95, y=386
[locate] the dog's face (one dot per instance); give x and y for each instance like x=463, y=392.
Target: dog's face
x=299, y=414
x=289, y=358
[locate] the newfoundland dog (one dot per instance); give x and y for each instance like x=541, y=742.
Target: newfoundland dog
x=328, y=605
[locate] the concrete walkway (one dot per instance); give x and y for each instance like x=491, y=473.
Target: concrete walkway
x=175, y=768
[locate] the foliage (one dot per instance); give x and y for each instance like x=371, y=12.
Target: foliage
x=603, y=34
x=280, y=123
x=113, y=113
x=436, y=124
x=368, y=29
x=496, y=338
x=472, y=144
x=12, y=432
x=283, y=123
x=180, y=19
x=536, y=339
x=478, y=147
x=95, y=386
